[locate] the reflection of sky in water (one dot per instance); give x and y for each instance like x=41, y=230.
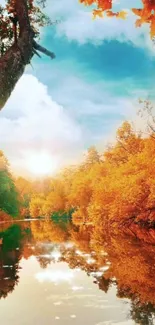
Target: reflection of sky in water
x=60, y=295
x=56, y=276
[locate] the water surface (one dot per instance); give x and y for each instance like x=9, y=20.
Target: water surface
x=53, y=275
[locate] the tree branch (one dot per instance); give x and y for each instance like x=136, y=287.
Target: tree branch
x=43, y=50
x=35, y=52
x=151, y=127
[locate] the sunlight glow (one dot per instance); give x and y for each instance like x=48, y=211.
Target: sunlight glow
x=55, y=276
x=76, y=288
x=56, y=255
x=57, y=303
x=90, y=261
x=104, y=268
x=40, y=163
x=78, y=252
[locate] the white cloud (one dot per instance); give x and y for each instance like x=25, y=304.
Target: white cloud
x=77, y=24
x=31, y=122
x=90, y=111
x=97, y=105
x=76, y=288
x=35, y=130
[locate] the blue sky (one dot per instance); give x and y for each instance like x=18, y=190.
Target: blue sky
x=61, y=107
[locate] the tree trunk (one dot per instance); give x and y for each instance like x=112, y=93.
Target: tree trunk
x=14, y=61
x=12, y=66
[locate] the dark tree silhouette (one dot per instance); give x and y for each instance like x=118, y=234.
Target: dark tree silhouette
x=20, y=52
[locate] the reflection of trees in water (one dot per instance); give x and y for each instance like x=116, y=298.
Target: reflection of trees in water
x=104, y=284
x=8, y=278
x=121, y=261
x=10, y=255
x=129, y=264
x=43, y=261
x=48, y=231
x=42, y=253
x=143, y=314
x=133, y=265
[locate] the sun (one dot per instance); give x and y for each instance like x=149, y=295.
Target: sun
x=41, y=164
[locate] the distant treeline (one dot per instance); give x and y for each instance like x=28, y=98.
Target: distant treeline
x=109, y=189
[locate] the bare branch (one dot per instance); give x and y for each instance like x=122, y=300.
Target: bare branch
x=35, y=52
x=43, y=50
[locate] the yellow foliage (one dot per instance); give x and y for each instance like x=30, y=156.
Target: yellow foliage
x=118, y=187
x=79, y=217
x=97, y=13
x=107, y=189
x=122, y=14
x=36, y=206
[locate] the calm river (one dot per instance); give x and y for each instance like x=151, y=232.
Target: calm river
x=53, y=274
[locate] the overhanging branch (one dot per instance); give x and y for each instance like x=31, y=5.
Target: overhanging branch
x=43, y=50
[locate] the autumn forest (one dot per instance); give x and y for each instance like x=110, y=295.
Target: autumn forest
x=111, y=190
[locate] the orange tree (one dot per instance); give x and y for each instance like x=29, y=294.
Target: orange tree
x=20, y=21
x=117, y=188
